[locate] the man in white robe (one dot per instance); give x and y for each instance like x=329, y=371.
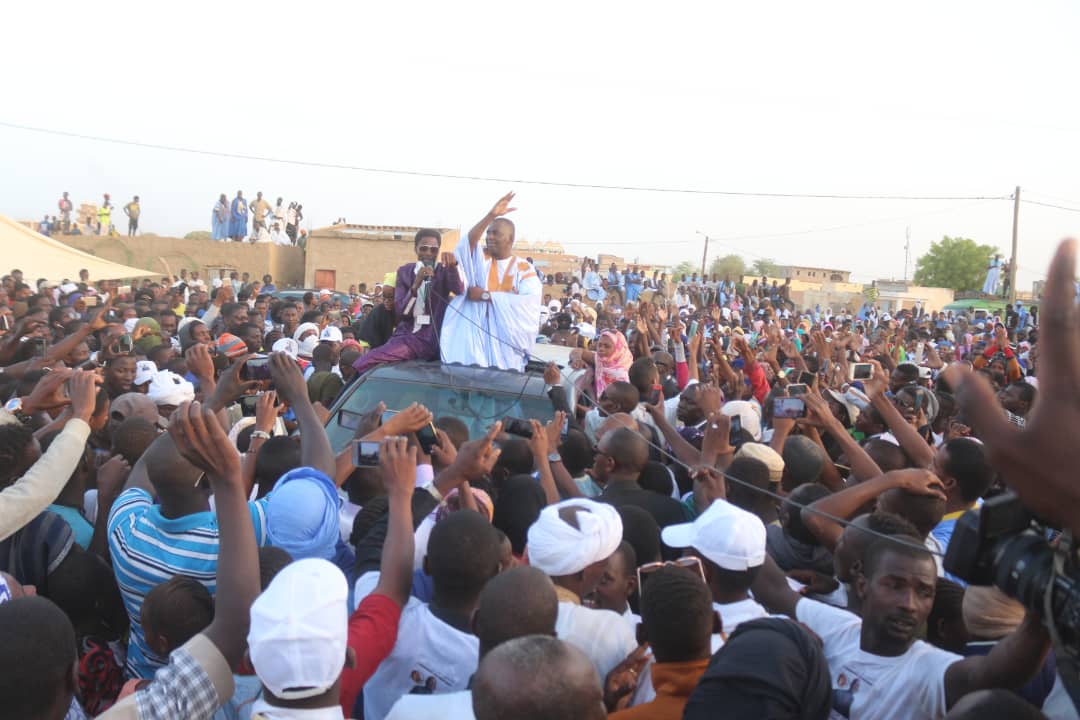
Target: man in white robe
x=495, y=322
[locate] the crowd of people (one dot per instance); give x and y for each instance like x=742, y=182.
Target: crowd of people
x=97, y=221
x=278, y=223
x=734, y=507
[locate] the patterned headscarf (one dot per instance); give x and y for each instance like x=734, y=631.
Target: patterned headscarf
x=616, y=366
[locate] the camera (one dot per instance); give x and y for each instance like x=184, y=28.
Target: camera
x=1002, y=544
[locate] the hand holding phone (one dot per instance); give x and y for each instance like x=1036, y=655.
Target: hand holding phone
x=791, y=408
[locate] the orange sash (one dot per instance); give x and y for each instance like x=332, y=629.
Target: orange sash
x=507, y=283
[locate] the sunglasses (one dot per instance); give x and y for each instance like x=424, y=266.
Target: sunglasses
x=692, y=564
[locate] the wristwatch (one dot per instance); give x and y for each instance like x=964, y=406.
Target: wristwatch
x=485, y=296
x=260, y=435
x=554, y=457
x=15, y=407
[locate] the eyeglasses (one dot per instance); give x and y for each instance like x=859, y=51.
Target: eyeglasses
x=692, y=564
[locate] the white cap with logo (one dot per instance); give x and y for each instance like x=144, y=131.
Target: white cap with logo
x=725, y=534
x=299, y=629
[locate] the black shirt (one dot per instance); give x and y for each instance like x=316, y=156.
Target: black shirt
x=665, y=510
x=377, y=327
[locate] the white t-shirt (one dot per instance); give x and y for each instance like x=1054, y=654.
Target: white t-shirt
x=867, y=686
x=451, y=706
x=604, y=636
x=429, y=655
x=732, y=615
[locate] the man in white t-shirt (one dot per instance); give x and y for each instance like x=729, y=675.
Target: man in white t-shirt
x=731, y=544
x=436, y=652
x=571, y=542
x=514, y=604
x=879, y=669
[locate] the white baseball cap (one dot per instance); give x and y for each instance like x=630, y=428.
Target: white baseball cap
x=727, y=535
x=288, y=346
x=331, y=333
x=749, y=413
x=299, y=628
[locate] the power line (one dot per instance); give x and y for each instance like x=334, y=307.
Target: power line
x=478, y=178
x=1049, y=205
x=1052, y=197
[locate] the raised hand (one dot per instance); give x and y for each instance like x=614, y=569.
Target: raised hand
x=100, y=319
x=476, y=458
x=288, y=380
x=502, y=207
x=1034, y=461
x=397, y=460
x=449, y=260
x=552, y=374
x=199, y=361
x=48, y=393
x=553, y=431
x=199, y=438
x=877, y=384
x=267, y=411
x=408, y=420
x=82, y=389
x=443, y=453
x=716, y=441
x=920, y=482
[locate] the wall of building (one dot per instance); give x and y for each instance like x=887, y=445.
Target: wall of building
x=893, y=297
x=357, y=254
x=168, y=255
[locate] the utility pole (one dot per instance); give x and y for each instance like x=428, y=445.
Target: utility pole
x=907, y=250
x=1012, y=262
x=705, y=253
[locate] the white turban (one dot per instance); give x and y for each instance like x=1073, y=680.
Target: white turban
x=557, y=548
x=168, y=388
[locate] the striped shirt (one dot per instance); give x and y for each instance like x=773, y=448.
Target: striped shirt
x=148, y=549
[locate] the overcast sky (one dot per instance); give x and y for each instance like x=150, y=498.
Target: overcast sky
x=917, y=98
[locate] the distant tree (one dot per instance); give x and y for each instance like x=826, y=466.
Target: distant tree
x=729, y=266
x=197, y=235
x=763, y=267
x=686, y=268
x=957, y=263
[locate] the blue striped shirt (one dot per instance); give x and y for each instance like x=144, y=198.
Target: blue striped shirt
x=148, y=549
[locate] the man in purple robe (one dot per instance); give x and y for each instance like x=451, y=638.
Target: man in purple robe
x=422, y=292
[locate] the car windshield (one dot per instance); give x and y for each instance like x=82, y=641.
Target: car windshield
x=477, y=408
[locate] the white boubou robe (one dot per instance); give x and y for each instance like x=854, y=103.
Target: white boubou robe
x=500, y=332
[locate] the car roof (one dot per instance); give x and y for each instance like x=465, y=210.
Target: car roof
x=456, y=375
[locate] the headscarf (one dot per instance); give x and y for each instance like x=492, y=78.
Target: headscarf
x=150, y=340
x=616, y=366
x=768, y=668
x=168, y=388
x=558, y=548
x=453, y=503
x=302, y=514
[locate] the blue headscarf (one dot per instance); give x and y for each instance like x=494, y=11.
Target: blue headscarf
x=302, y=514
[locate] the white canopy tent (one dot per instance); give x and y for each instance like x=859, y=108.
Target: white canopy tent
x=39, y=256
